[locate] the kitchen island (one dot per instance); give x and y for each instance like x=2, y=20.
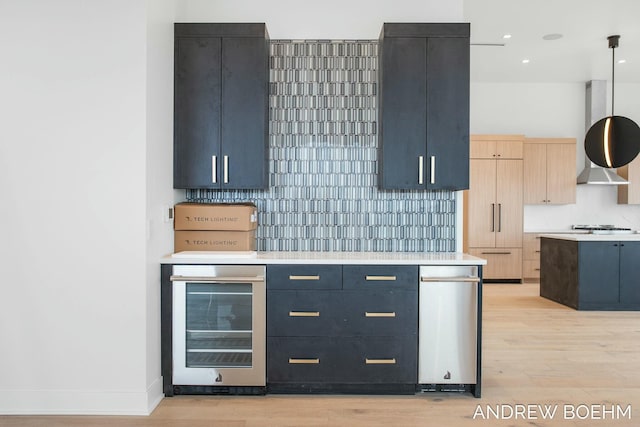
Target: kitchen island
x=591, y=271
x=322, y=322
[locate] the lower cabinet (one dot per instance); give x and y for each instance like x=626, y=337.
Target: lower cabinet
x=354, y=334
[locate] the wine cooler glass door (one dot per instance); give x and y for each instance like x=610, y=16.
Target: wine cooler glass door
x=218, y=333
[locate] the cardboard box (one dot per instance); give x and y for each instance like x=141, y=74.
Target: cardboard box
x=197, y=240
x=215, y=216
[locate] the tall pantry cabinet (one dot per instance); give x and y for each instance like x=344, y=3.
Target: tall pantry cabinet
x=494, y=204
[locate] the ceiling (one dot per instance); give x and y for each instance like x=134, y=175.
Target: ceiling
x=582, y=54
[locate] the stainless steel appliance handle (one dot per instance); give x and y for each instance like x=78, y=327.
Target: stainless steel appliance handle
x=461, y=279
x=420, y=170
x=230, y=279
x=433, y=169
x=214, y=169
x=225, y=160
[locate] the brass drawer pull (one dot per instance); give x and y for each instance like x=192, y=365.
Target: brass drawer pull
x=380, y=314
x=304, y=314
x=380, y=278
x=304, y=277
x=391, y=361
x=304, y=361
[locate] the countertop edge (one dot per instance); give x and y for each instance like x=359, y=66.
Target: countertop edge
x=595, y=237
x=345, y=258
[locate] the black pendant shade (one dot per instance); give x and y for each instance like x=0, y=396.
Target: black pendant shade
x=613, y=141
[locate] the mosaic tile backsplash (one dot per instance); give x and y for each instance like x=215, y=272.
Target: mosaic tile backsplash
x=323, y=193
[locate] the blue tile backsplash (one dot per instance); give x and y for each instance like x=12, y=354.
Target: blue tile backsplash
x=323, y=193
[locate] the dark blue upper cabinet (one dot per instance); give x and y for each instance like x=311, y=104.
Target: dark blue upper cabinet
x=423, y=133
x=221, y=95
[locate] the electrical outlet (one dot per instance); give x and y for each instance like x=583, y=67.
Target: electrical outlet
x=167, y=213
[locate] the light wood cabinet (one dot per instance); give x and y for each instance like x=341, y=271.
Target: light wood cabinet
x=550, y=168
x=630, y=194
x=531, y=256
x=494, y=208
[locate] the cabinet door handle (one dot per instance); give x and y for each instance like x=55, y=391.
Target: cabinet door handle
x=225, y=160
x=391, y=361
x=214, y=169
x=304, y=314
x=420, y=170
x=493, y=217
x=293, y=361
x=536, y=269
x=304, y=277
x=499, y=217
x=458, y=279
x=379, y=314
x=380, y=278
x=433, y=169
x=537, y=252
x=496, y=253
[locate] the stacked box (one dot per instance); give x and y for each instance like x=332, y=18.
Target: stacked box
x=215, y=227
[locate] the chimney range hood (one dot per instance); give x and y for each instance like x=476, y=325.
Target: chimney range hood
x=596, y=99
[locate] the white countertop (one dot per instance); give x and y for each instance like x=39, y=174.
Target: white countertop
x=594, y=237
x=371, y=258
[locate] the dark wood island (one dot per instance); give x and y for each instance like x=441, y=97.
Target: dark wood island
x=591, y=272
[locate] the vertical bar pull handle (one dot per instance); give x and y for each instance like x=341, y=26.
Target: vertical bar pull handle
x=225, y=159
x=433, y=169
x=420, y=170
x=493, y=217
x=499, y=217
x=214, y=169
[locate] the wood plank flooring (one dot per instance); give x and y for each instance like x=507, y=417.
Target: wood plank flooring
x=536, y=352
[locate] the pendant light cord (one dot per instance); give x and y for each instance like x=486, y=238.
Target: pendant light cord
x=613, y=77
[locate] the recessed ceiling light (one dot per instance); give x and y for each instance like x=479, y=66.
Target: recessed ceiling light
x=552, y=36
x=506, y=36
x=525, y=61
x=622, y=61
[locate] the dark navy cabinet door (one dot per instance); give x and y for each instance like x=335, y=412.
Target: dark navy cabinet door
x=403, y=113
x=244, y=113
x=599, y=272
x=630, y=273
x=198, y=88
x=447, y=113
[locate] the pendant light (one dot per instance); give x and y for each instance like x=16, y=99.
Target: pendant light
x=613, y=141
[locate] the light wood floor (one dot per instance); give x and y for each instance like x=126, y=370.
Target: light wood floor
x=535, y=352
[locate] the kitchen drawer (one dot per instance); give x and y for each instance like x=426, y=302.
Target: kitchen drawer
x=375, y=360
x=302, y=277
x=502, y=263
x=380, y=312
x=380, y=277
x=304, y=313
x=304, y=359
x=531, y=246
x=531, y=269
x=372, y=360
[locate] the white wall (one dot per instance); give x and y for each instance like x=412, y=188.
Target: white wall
x=85, y=168
x=328, y=19
x=159, y=174
x=555, y=110
x=74, y=307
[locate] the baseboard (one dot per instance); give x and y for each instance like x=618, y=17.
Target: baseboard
x=81, y=402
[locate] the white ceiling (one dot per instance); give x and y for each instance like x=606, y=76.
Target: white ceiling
x=582, y=53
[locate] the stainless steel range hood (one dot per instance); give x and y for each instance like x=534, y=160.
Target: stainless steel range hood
x=596, y=108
